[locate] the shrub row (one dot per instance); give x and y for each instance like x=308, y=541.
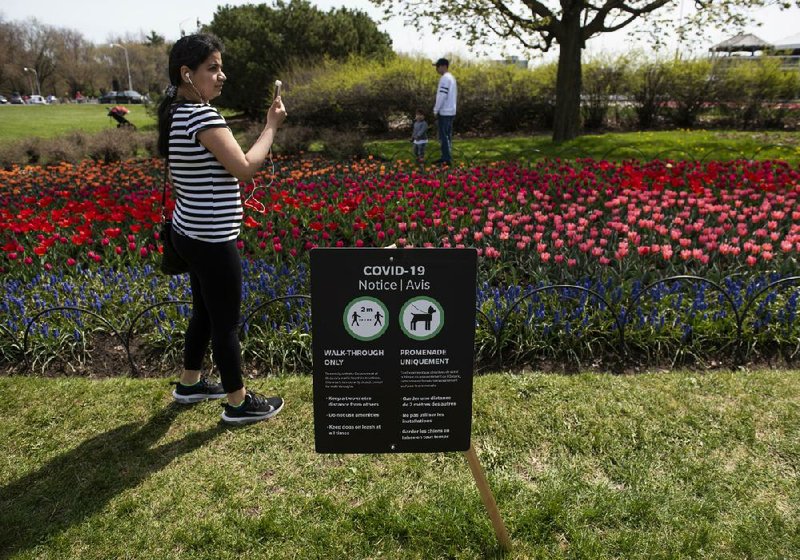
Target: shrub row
x=380, y=96
x=115, y=144
x=628, y=92
x=120, y=144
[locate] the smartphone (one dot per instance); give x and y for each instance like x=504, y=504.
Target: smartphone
x=278, y=85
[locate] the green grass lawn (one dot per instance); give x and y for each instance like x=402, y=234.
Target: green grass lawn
x=662, y=465
x=674, y=144
x=47, y=121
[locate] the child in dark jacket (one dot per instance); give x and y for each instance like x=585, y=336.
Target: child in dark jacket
x=419, y=136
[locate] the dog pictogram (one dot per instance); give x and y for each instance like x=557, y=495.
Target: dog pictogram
x=424, y=317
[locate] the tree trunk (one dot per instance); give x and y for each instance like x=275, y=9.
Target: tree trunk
x=567, y=118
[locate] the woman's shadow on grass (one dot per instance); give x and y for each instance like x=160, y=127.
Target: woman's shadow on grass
x=79, y=483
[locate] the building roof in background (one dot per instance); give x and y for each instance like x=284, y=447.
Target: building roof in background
x=788, y=43
x=743, y=42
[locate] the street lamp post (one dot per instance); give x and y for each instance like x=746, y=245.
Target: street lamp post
x=30, y=82
x=127, y=64
x=36, y=75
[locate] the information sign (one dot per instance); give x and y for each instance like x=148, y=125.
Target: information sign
x=393, y=337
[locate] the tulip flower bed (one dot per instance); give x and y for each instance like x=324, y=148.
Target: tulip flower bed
x=85, y=236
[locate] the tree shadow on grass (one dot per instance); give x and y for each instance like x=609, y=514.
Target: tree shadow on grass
x=79, y=483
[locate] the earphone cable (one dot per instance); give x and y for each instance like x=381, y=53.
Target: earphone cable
x=252, y=202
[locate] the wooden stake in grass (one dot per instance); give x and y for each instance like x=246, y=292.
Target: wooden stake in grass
x=488, y=499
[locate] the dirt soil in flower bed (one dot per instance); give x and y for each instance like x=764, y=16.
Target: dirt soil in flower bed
x=107, y=359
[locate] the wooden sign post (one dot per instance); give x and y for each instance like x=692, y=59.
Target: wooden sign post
x=488, y=499
x=393, y=342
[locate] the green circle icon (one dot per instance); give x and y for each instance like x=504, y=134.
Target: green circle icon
x=421, y=318
x=365, y=318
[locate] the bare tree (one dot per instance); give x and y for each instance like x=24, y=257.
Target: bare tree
x=148, y=62
x=76, y=67
x=40, y=49
x=11, y=52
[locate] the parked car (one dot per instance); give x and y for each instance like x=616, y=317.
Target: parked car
x=52, y=99
x=109, y=97
x=129, y=96
x=3, y=100
x=16, y=99
x=37, y=100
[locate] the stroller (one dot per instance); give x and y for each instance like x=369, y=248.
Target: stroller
x=118, y=113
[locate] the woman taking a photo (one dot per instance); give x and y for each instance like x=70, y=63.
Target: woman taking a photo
x=206, y=164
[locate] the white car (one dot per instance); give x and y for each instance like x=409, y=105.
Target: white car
x=37, y=100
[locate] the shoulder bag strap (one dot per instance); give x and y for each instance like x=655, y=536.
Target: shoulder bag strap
x=166, y=167
x=164, y=191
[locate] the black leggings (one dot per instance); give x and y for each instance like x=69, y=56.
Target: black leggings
x=216, y=279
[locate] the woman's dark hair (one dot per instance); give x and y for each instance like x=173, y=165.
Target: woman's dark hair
x=189, y=51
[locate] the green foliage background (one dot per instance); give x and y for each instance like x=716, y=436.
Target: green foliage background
x=261, y=42
x=624, y=93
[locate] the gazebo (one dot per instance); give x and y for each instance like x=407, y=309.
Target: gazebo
x=743, y=42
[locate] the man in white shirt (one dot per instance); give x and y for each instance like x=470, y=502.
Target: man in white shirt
x=445, y=108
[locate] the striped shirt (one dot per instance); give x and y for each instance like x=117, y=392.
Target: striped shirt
x=208, y=203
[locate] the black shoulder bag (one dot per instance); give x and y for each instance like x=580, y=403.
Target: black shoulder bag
x=171, y=262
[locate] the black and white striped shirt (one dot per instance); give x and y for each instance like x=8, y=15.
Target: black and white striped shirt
x=208, y=203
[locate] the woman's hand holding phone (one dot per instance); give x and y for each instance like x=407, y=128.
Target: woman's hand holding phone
x=277, y=112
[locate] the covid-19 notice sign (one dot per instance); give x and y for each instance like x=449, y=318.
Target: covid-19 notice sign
x=393, y=341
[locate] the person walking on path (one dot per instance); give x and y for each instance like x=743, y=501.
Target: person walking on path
x=445, y=108
x=206, y=165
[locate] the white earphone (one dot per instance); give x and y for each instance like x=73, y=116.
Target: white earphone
x=200, y=95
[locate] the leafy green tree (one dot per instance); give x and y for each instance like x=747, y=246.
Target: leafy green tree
x=262, y=41
x=541, y=24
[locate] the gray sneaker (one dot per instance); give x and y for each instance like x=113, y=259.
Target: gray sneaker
x=201, y=391
x=255, y=408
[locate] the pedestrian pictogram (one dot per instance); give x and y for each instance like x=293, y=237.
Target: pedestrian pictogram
x=365, y=318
